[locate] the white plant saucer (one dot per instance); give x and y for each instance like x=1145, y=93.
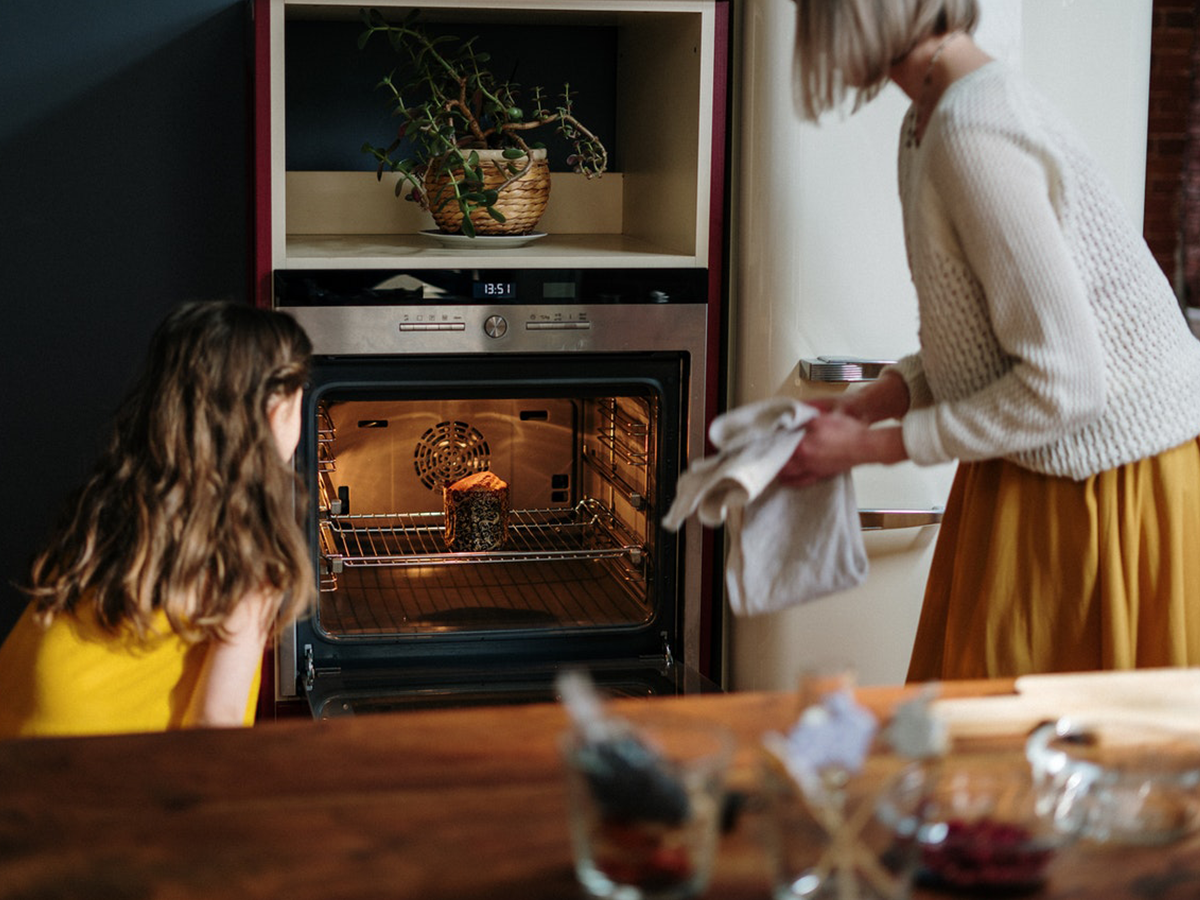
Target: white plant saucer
x=483, y=241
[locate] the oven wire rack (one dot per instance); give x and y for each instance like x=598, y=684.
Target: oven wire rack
x=587, y=531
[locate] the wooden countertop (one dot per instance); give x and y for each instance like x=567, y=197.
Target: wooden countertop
x=446, y=804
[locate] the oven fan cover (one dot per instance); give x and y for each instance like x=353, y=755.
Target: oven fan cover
x=449, y=451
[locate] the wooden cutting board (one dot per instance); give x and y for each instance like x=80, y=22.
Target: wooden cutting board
x=1163, y=697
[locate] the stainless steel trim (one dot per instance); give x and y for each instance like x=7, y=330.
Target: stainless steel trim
x=886, y=519
x=285, y=664
x=590, y=328
x=842, y=369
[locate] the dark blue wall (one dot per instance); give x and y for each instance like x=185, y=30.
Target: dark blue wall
x=124, y=188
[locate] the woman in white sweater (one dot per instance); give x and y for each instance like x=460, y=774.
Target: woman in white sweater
x=1054, y=364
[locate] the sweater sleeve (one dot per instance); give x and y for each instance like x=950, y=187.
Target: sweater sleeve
x=910, y=369
x=999, y=193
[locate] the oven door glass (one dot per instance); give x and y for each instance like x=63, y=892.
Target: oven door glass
x=574, y=563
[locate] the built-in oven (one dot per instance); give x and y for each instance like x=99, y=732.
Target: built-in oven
x=581, y=392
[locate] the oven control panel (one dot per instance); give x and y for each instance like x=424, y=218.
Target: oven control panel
x=558, y=320
x=495, y=325
x=558, y=326
x=501, y=310
x=387, y=331
x=433, y=326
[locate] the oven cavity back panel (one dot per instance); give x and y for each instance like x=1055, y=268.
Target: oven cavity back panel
x=395, y=455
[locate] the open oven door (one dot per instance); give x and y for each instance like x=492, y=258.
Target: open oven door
x=336, y=694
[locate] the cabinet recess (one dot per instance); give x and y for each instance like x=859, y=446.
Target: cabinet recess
x=653, y=210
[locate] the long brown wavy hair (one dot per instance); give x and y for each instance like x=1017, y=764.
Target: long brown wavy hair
x=190, y=508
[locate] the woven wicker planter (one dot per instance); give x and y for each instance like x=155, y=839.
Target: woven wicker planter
x=521, y=203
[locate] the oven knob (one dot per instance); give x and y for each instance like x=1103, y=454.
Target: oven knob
x=495, y=326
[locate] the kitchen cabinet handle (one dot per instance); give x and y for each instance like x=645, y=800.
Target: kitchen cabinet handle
x=881, y=519
x=842, y=369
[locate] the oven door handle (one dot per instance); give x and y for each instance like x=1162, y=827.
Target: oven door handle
x=887, y=519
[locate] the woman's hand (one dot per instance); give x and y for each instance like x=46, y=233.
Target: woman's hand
x=835, y=442
x=885, y=398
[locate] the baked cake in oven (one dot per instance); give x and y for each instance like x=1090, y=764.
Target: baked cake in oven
x=477, y=511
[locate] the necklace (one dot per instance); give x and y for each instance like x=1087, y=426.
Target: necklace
x=920, y=112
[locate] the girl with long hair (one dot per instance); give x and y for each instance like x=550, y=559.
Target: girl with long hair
x=154, y=598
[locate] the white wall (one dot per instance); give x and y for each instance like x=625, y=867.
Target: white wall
x=1092, y=59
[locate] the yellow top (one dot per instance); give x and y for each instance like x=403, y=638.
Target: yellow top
x=75, y=678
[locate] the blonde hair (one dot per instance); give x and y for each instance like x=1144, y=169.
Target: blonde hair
x=845, y=48
x=190, y=508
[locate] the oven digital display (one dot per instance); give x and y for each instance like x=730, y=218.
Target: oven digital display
x=494, y=290
x=545, y=287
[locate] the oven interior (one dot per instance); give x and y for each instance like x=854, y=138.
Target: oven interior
x=579, y=551
x=590, y=449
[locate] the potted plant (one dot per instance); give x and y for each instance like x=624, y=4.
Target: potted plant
x=461, y=147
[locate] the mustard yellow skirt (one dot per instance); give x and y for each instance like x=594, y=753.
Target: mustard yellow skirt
x=1034, y=573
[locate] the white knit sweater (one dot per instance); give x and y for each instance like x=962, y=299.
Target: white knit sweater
x=1048, y=333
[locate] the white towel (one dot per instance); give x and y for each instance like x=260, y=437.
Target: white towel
x=786, y=545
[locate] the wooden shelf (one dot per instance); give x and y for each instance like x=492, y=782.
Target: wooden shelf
x=389, y=251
